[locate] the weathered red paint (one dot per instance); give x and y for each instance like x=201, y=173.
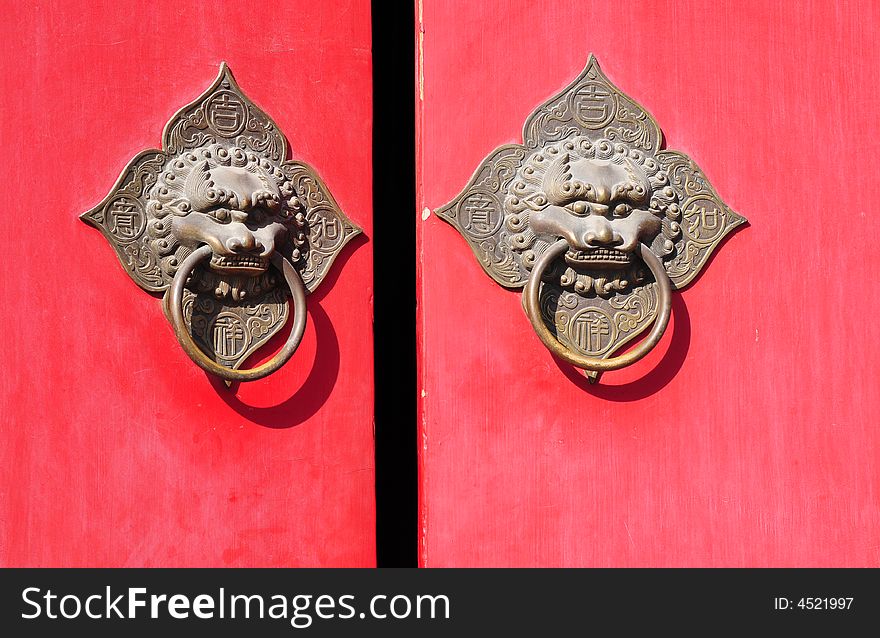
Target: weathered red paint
x=115, y=449
x=749, y=438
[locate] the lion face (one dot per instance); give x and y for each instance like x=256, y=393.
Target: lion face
x=606, y=216
x=604, y=199
x=242, y=220
x=238, y=203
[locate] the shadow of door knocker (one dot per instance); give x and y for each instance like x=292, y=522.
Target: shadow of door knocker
x=227, y=227
x=594, y=221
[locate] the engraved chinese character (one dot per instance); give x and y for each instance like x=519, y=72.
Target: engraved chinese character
x=479, y=210
x=125, y=219
x=228, y=336
x=704, y=220
x=324, y=229
x=594, y=104
x=226, y=114
x=590, y=330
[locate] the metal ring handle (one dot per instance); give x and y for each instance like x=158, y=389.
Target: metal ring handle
x=175, y=306
x=532, y=306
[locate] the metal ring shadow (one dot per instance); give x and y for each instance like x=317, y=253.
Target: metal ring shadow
x=318, y=386
x=310, y=396
x=656, y=378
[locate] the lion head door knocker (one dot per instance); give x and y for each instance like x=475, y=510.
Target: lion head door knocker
x=227, y=227
x=594, y=221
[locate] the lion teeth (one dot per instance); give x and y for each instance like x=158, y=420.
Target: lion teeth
x=599, y=254
x=239, y=261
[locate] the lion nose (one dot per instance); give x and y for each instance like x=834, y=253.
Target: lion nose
x=243, y=243
x=600, y=233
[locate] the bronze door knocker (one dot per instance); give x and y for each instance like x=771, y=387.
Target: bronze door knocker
x=594, y=220
x=227, y=227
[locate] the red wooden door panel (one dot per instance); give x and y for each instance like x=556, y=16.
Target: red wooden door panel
x=115, y=449
x=749, y=436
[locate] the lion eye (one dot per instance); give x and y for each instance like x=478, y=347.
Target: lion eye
x=220, y=214
x=622, y=210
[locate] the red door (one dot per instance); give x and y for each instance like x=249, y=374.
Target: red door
x=115, y=449
x=748, y=436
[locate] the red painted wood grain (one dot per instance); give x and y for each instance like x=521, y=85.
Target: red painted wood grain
x=750, y=437
x=115, y=449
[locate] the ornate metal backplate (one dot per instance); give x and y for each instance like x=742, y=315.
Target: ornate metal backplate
x=591, y=172
x=222, y=179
